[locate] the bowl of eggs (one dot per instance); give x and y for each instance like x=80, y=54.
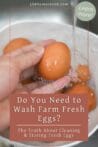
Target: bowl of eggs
x=68, y=55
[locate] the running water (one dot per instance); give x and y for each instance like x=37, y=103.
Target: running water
x=76, y=51
x=74, y=41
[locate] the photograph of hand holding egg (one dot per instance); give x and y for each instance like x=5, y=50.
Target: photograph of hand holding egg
x=41, y=61
x=43, y=67
x=56, y=63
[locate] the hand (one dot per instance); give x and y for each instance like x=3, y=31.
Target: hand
x=12, y=65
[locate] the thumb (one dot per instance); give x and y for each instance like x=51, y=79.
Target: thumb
x=29, y=59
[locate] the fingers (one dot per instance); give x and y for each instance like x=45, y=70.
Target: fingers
x=33, y=56
x=27, y=87
x=47, y=89
x=32, y=86
x=4, y=114
x=29, y=48
x=39, y=88
x=29, y=59
x=27, y=73
x=21, y=51
x=53, y=87
x=44, y=43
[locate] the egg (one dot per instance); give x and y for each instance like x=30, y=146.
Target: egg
x=15, y=44
x=83, y=73
x=84, y=89
x=55, y=62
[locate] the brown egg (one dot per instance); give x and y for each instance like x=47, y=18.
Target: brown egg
x=83, y=73
x=56, y=61
x=15, y=44
x=81, y=89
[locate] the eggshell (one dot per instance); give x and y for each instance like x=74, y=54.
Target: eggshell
x=55, y=62
x=83, y=73
x=15, y=44
x=84, y=89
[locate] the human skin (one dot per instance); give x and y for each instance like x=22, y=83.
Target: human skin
x=12, y=65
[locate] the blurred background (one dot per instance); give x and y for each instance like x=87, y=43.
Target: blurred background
x=19, y=10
